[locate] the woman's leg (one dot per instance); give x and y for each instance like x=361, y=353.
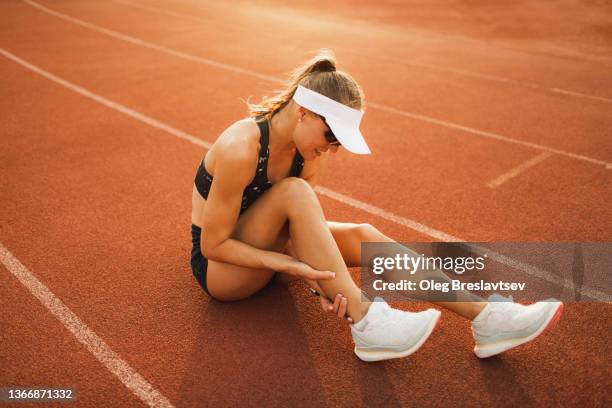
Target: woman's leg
x=349, y=236
x=290, y=209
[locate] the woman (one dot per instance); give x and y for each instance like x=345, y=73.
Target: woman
x=260, y=217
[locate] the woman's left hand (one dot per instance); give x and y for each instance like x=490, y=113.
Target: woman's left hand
x=338, y=306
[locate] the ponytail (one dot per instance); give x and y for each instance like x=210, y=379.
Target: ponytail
x=320, y=75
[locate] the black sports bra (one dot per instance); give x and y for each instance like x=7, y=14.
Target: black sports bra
x=260, y=183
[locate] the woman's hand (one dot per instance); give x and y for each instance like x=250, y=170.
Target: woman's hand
x=304, y=271
x=338, y=306
x=311, y=276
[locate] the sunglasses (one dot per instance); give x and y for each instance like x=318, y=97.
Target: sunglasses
x=329, y=135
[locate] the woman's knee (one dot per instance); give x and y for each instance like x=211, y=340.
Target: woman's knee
x=366, y=233
x=295, y=188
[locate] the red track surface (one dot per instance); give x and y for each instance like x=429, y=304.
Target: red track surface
x=97, y=204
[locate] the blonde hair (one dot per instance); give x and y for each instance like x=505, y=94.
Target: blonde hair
x=319, y=75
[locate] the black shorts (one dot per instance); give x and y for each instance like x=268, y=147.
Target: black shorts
x=199, y=264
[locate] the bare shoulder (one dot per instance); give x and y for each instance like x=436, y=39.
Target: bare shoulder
x=238, y=145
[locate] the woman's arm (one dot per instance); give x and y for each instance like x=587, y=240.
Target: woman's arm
x=234, y=165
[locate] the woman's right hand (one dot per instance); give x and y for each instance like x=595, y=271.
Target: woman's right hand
x=304, y=271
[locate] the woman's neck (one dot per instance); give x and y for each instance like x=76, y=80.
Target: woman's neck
x=281, y=131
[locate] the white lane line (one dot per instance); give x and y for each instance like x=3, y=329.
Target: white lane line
x=491, y=135
x=155, y=47
x=479, y=75
x=494, y=78
x=379, y=212
x=178, y=15
x=540, y=273
x=397, y=61
x=199, y=142
x=518, y=170
x=107, y=102
x=572, y=93
x=386, y=215
x=96, y=346
x=136, y=41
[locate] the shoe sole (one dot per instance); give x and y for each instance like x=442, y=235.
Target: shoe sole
x=489, y=350
x=381, y=354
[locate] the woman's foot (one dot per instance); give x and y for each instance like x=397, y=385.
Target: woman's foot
x=386, y=333
x=503, y=324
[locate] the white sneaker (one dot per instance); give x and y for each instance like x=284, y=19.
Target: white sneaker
x=503, y=324
x=386, y=333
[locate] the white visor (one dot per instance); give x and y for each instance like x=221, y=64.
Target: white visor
x=342, y=120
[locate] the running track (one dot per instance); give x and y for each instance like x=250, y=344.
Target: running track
x=107, y=107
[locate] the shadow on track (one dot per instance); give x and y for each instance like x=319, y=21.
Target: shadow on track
x=252, y=353
x=503, y=384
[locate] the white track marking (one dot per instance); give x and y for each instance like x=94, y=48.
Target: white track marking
x=379, y=212
x=155, y=47
x=397, y=61
x=518, y=169
x=572, y=93
x=494, y=78
x=136, y=41
x=199, y=142
x=539, y=273
x=107, y=102
x=441, y=236
x=168, y=13
x=491, y=135
x=96, y=346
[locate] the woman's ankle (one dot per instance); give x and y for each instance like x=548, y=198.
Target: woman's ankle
x=361, y=311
